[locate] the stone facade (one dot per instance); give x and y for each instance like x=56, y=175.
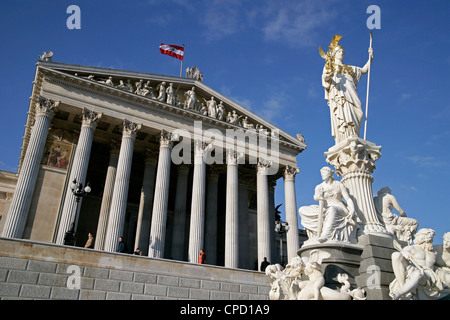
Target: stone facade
x=31, y=270
x=118, y=131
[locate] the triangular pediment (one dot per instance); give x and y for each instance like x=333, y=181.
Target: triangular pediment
x=207, y=104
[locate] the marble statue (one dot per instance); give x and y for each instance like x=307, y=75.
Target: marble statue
x=211, y=106
x=162, y=91
x=340, y=81
x=260, y=129
x=300, y=137
x=194, y=73
x=145, y=89
x=246, y=124
x=46, y=56
x=302, y=279
x=442, y=263
x=220, y=111
x=414, y=269
x=170, y=95
x=203, y=110
x=139, y=86
x=125, y=86
x=233, y=117
x=108, y=82
x=332, y=219
x=191, y=99
x=402, y=227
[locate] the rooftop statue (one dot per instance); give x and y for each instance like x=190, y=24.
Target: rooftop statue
x=46, y=56
x=340, y=81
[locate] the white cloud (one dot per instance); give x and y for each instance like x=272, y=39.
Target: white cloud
x=405, y=96
x=426, y=161
x=295, y=22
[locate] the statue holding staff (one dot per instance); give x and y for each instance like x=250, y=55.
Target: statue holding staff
x=340, y=81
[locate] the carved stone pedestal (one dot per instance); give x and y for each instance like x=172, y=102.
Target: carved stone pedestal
x=375, y=271
x=354, y=160
x=344, y=258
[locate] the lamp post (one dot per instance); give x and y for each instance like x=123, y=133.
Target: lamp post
x=79, y=192
x=281, y=228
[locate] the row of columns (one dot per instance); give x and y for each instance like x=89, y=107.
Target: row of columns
x=151, y=230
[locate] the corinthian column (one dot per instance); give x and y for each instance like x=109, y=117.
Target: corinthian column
x=196, y=231
x=121, y=184
x=161, y=198
x=79, y=169
x=263, y=212
x=232, y=211
x=146, y=202
x=291, y=212
x=21, y=200
x=354, y=159
x=107, y=196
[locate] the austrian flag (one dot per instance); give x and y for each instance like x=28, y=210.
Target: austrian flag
x=172, y=50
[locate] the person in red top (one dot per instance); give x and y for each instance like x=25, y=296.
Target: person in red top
x=202, y=257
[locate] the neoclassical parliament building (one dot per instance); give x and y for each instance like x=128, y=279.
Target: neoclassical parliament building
x=172, y=167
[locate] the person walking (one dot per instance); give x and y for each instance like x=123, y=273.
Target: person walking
x=202, y=257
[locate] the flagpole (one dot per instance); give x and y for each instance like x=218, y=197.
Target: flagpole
x=368, y=82
x=181, y=68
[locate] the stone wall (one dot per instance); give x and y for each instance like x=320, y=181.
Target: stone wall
x=34, y=270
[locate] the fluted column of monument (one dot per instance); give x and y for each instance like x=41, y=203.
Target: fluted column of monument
x=232, y=211
x=26, y=182
x=146, y=202
x=211, y=214
x=263, y=212
x=161, y=198
x=120, y=194
x=107, y=195
x=291, y=212
x=244, y=240
x=354, y=159
x=78, y=171
x=179, y=219
x=196, y=231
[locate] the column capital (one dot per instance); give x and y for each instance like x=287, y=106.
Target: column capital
x=263, y=166
x=353, y=154
x=90, y=118
x=166, y=140
x=130, y=129
x=233, y=157
x=200, y=147
x=46, y=107
x=290, y=173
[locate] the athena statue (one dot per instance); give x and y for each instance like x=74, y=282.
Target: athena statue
x=340, y=81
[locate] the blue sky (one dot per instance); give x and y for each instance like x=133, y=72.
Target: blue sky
x=264, y=55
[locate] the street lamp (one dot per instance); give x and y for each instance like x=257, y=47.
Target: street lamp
x=79, y=192
x=281, y=228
